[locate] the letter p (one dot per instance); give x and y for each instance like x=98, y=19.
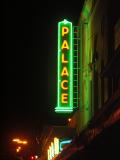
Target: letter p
x=65, y=30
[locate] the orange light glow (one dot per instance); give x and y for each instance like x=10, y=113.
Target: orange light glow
x=69, y=119
x=18, y=149
x=24, y=142
x=19, y=141
x=15, y=140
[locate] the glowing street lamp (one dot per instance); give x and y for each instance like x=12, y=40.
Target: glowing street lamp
x=18, y=149
x=17, y=140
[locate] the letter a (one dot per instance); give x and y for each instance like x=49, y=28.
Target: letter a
x=65, y=45
x=64, y=72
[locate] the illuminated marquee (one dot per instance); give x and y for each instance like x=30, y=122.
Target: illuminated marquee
x=56, y=147
x=65, y=67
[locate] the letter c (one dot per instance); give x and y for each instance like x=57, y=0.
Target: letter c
x=63, y=84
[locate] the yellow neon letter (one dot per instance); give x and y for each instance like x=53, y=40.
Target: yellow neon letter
x=48, y=151
x=65, y=30
x=65, y=45
x=63, y=58
x=56, y=145
x=63, y=86
x=64, y=72
x=64, y=98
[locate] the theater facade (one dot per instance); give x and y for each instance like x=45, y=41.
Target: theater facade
x=88, y=81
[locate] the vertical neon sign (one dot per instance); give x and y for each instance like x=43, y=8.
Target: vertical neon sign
x=65, y=67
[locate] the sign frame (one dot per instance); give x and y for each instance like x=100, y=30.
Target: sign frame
x=65, y=68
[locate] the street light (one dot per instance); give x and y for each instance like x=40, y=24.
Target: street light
x=17, y=140
x=18, y=149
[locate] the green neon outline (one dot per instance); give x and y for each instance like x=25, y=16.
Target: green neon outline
x=63, y=110
x=71, y=68
x=58, y=93
x=69, y=108
x=65, y=142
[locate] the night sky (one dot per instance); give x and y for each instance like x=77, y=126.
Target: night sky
x=29, y=64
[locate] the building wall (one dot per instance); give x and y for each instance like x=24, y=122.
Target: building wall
x=96, y=49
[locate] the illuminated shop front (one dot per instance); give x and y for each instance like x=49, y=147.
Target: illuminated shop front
x=56, y=147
